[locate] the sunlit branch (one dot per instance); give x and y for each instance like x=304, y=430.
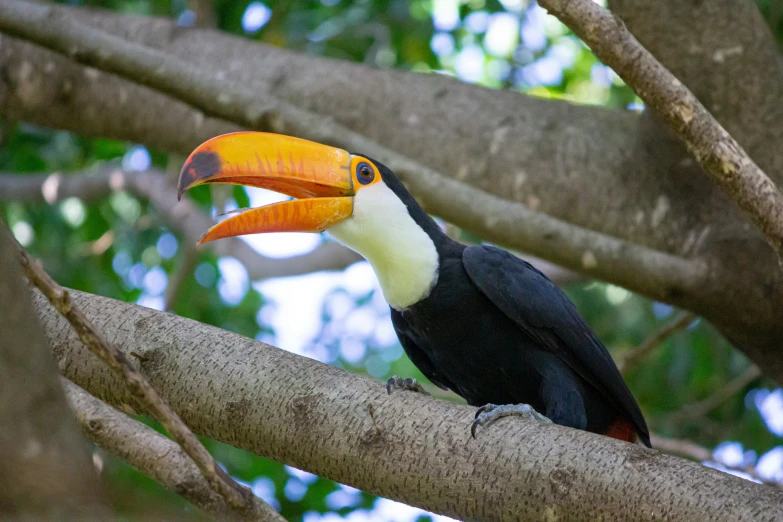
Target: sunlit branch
x=238, y=497
x=403, y=446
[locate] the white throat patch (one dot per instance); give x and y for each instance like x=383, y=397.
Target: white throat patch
x=402, y=255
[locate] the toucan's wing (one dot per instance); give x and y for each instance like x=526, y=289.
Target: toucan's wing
x=417, y=356
x=549, y=317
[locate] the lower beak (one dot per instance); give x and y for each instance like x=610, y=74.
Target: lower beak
x=318, y=175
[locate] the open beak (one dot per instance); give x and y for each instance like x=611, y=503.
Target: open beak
x=318, y=175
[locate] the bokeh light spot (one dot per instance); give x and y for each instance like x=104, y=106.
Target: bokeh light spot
x=23, y=233
x=234, y=282
x=205, y=275
x=73, y=211
x=167, y=245
x=136, y=159
x=256, y=16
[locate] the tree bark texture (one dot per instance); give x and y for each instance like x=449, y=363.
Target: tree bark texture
x=605, y=171
x=404, y=446
x=151, y=453
x=46, y=471
x=720, y=155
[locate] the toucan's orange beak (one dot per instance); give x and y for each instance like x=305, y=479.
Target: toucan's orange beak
x=318, y=174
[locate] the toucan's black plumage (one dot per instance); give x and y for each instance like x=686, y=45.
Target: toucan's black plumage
x=475, y=319
x=494, y=329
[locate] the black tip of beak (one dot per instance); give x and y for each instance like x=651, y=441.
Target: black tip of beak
x=198, y=168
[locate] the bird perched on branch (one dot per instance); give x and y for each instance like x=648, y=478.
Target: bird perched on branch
x=474, y=319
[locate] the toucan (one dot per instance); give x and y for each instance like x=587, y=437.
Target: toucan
x=476, y=320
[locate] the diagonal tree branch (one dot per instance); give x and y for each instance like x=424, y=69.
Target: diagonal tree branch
x=151, y=453
x=676, y=324
x=238, y=497
x=596, y=254
x=46, y=472
x=598, y=169
x=723, y=286
x=190, y=220
x=731, y=388
x=714, y=148
x=563, y=159
x=403, y=446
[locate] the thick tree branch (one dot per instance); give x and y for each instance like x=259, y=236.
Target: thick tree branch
x=715, y=149
x=589, y=166
x=46, y=472
x=151, y=453
x=731, y=63
x=404, y=446
x=238, y=497
x=596, y=254
x=185, y=216
x=676, y=324
x=560, y=158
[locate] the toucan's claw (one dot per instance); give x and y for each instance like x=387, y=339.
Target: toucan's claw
x=396, y=383
x=492, y=412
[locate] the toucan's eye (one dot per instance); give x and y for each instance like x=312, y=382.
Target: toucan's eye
x=364, y=173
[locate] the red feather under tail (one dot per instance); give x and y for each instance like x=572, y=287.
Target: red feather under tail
x=622, y=429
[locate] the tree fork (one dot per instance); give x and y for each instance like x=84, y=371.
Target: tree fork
x=713, y=147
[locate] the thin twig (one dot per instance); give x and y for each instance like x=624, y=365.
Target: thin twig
x=238, y=497
x=690, y=450
x=513, y=225
x=153, y=454
x=676, y=324
x=713, y=147
x=703, y=407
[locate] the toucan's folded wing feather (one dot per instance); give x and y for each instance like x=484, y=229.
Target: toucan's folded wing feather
x=549, y=317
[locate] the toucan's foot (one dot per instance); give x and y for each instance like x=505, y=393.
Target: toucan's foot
x=395, y=383
x=492, y=412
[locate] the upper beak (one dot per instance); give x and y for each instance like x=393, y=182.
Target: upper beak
x=292, y=166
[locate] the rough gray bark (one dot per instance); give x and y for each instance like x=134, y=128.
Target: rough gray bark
x=403, y=446
x=653, y=273
x=606, y=171
x=46, y=471
x=727, y=40
x=149, y=452
x=713, y=147
x=237, y=496
x=183, y=216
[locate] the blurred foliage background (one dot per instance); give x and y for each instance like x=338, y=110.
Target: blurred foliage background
x=119, y=247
